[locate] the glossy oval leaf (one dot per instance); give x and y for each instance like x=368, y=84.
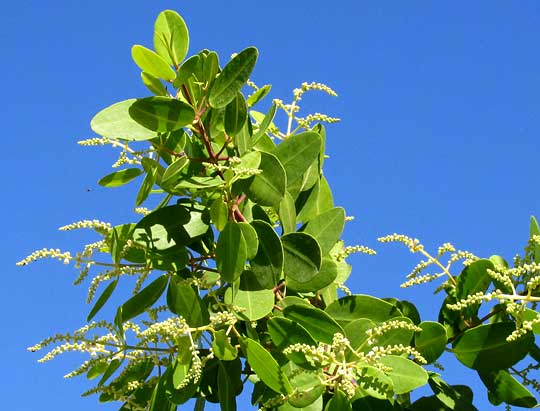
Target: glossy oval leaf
x=152, y=63
x=353, y=307
x=161, y=114
x=231, y=252
x=507, y=389
x=254, y=304
x=322, y=278
x=473, y=279
x=484, y=348
x=266, y=367
x=405, y=374
x=184, y=300
x=164, y=229
x=153, y=84
x=285, y=332
x=307, y=387
x=267, y=188
x=338, y=402
x=356, y=332
x=235, y=115
x=171, y=37
x=232, y=78
x=174, y=172
x=327, y=228
x=119, y=178
x=219, y=213
x=115, y=122
x=226, y=394
x=297, y=153
x=431, y=341
x=374, y=383
x=144, y=299
x=316, y=322
x=287, y=214
x=301, y=257
x=222, y=347
x=267, y=264
x=250, y=238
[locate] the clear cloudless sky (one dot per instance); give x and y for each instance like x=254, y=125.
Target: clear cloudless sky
x=439, y=140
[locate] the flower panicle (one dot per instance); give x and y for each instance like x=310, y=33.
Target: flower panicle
x=413, y=244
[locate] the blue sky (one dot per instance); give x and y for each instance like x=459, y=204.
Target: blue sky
x=439, y=138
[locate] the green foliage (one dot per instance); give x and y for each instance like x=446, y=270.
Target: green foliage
x=240, y=267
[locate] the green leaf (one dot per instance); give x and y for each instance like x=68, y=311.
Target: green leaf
x=374, y=383
x=174, y=172
x=198, y=183
x=405, y=374
x=184, y=300
x=327, y=228
x=318, y=201
x=306, y=202
x=161, y=114
x=250, y=237
x=302, y=257
x=353, y=307
x=103, y=298
x=474, y=279
x=168, y=229
x=222, y=347
x=146, y=187
x=153, y=84
x=115, y=122
x=256, y=304
x=285, y=332
x=235, y=115
x=297, y=153
x=356, y=333
x=186, y=70
x=307, y=386
x=243, y=141
x=231, y=252
x=119, y=178
x=171, y=37
x=322, y=278
x=431, y=341
x=267, y=188
x=267, y=264
x=233, y=77
x=317, y=323
x=287, y=214
x=97, y=370
x=484, y=348
x=111, y=368
x=398, y=336
x=317, y=405
x=144, y=299
x=338, y=402
x=219, y=213
x=535, y=230
x=447, y=397
x=258, y=95
x=158, y=400
x=264, y=124
x=226, y=394
x=507, y=389
x=266, y=367
x=152, y=63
